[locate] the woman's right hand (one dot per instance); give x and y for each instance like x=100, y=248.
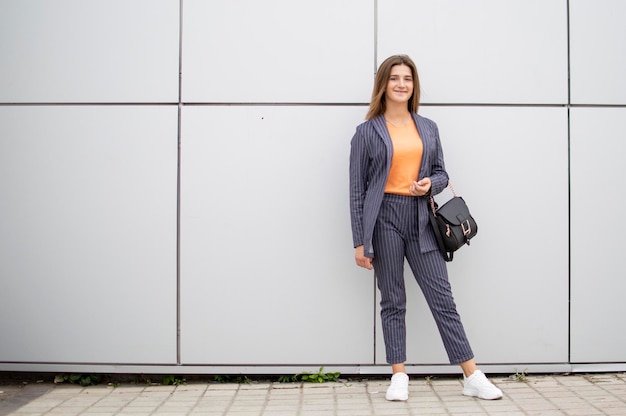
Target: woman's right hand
x=360, y=258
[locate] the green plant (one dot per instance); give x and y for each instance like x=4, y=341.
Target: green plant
x=429, y=380
x=81, y=379
x=221, y=378
x=228, y=379
x=319, y=377
x=172, y=380
x=287, y=379
x=520, y=376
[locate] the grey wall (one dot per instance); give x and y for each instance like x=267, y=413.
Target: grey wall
x=151, y=222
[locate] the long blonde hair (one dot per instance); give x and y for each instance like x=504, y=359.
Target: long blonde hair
x=377, y=104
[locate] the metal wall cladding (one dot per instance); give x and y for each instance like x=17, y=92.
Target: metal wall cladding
x=174, y=180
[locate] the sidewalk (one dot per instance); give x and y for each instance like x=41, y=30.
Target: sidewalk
x=591, y=394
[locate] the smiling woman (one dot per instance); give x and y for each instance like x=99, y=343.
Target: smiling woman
x=396, y=163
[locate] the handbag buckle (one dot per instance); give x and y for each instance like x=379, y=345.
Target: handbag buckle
x=466, y=227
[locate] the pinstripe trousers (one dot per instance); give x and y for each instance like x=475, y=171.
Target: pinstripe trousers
x=396, y=236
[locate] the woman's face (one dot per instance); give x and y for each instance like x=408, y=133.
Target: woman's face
x=400, y=84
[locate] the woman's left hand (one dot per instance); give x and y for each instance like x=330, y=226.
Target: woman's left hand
x=420, y=188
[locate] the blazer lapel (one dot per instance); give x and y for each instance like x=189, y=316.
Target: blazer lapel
x=381, y=128
x=424, y=132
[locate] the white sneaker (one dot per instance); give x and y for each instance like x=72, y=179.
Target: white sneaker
x=477, y=385
x=399, y=388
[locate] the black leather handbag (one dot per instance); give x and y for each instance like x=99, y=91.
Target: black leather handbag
x=453, y=225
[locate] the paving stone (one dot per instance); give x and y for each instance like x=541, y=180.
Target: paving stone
x=66, y=410
x=615, y=411
x=431, y=411
x=135, y=410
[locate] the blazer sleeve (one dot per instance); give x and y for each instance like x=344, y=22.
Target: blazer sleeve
x=358, y=184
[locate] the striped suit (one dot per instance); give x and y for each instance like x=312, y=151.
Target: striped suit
x=393, y=227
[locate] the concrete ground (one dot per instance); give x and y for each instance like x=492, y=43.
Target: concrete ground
x=580, y=394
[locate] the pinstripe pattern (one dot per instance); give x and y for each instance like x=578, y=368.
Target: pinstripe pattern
x=396, y=236
x=392, y=228
x=370, y=161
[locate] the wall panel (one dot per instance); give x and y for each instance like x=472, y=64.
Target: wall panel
x=597, y=177
x=489, y=51
x=278, y=51
x=511, y=283
x=598, y=58
x=89, y=51
x=88, y=234
x=267, y=265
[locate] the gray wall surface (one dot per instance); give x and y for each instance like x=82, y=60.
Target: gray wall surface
x=174, y=182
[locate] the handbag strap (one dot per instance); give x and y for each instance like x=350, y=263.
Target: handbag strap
x=451, y=188
x=433, y=207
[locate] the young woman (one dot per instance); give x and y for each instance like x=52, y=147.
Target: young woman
x=396, y=163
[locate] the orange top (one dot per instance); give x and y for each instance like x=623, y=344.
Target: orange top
x=406, y=159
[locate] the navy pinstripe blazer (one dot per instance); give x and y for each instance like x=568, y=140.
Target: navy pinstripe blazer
x=370, y=161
